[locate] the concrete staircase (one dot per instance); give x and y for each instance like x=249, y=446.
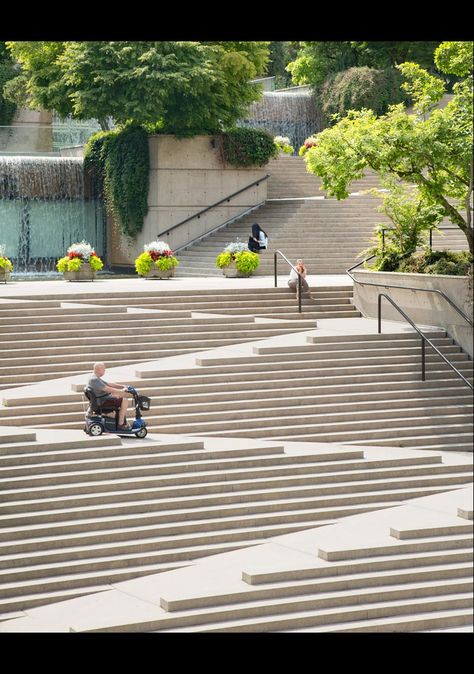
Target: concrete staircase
x=407, y=569
x=44, y=338
x=355, y=389
x=80, y=513
x=329, y=234
x=290, y=178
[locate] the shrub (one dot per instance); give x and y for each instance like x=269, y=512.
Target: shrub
x=442, y=262
x=358, y=88
x=247, y=147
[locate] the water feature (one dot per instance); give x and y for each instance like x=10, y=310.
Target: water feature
x=288, y=112
x=45, y=206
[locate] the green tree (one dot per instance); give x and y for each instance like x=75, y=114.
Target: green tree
x=7, y=73
x=432, y=151
x=188, y=87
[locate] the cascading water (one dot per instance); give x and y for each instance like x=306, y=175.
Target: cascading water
x=285, y=113
x=44, y=208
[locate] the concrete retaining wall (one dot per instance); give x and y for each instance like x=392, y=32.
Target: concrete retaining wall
x=186, y=176
x=421, y=307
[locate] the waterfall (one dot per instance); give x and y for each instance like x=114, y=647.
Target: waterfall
x=45, y=206
x=285, y=113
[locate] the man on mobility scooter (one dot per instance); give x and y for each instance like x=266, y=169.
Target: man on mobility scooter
x=102, y=402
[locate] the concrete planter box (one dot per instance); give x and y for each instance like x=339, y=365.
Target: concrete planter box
x=231, y=271
x=4, y=275
x=423, y=308
x=158, y=273
x=84, y=273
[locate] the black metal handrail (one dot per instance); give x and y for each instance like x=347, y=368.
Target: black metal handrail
x=423, y=339
x=389, y=285
x=208, y=208
x=278, y=252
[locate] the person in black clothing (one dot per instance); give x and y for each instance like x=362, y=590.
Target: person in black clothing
x=258, y=239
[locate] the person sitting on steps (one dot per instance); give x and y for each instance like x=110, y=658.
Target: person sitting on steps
x=258, y=240
x=107, y=391
x=293, y=280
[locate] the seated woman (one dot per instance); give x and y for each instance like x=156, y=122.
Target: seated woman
x=258, y=240
x=293, y=279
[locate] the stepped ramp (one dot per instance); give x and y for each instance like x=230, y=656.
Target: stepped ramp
x=406, y=568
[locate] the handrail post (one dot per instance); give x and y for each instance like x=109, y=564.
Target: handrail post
x=431, y=239
x=423, y=367
x=275, y=267
x=383, y=241
x=299, y=293
x=379, y=313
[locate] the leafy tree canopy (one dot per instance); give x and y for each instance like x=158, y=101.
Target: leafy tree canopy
x=431, y=148
x=187, y=87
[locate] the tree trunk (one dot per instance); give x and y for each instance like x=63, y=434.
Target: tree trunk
x=104, y=124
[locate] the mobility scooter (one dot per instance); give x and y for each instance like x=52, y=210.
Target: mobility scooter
x=96, y=421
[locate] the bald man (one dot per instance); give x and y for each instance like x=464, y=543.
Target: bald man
x=106, y=391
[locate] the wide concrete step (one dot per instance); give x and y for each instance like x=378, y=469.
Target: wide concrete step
x=27, y=513
x=77, y=482
x=109, y=494
x=317, y=609
x=111, y=464
x=342, y=583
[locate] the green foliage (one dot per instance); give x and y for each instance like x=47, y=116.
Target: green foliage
x=246, y=262
x=5, y=263
x=7, y=73
x=280, y=54
x=412, y=216
x=224, y=260
x=120, y=161
x=455, y=58
x=74, y=264
x=316, y=61
x=248, y=147
x=433, y=151
x=191, y=87
x=360, y=87
x=144, y=263
x=95, y=262
x=438, y=262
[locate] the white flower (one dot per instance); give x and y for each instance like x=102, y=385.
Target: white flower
x=235, y=247
x=156, y=246
x=84, y=248
x=281, y=140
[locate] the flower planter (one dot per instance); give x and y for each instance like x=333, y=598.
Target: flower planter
x=4, y=275
x=158, y=273
x=84, y=273
x=231, y=271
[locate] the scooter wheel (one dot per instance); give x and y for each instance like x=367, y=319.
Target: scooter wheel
x=95, y=429
x=142, y=433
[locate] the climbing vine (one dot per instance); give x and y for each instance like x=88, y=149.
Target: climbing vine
x=119, y=162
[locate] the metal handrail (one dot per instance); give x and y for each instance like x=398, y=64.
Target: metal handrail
x=208, y=208
x=425, y=290
x=423, y=339
x=278, y=252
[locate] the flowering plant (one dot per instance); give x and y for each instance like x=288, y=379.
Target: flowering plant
x=158, y=254
x=283, y=144
x=246, y=262
x=5, y=263
x=77, y=255
x=309, y=142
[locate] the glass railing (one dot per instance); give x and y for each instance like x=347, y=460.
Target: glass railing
x=43, y=139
